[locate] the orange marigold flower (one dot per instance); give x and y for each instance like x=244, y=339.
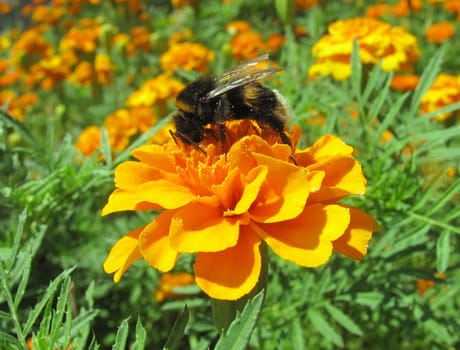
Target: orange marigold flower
x=305, y=4
x=235, y=27
x=83, y=40
x=51, y=71
x=444, y=91
x=140, y=38
x=169, y=281
x=89, y=140
x=440, y=32
x=407, y=82
x=17, y=105
x=181, y=3
x=188, y=56
x=5, y=7
x=223, y=206
x=378, y=41
x=247, y=45
x=47, y=14
x=275, y=41
x=30, y=48
x=453, y=6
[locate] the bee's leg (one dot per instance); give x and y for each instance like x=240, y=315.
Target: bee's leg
x=223, y=137
x=185, y=139
x=286, y=141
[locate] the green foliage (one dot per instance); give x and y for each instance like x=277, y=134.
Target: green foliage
x=53, y=240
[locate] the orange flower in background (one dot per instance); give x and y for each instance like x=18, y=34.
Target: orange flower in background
x=82, y=40
x=50, y=71
x=407, y=82
x=222, y=206
x=187, y=56
x=444, y=91
x=235, y=27
x=423, y=284
x=305, y=4
x=247, y=45
x=30, y=48
x=453, y=6
x=17, y=104
x=140, y=39
x=378, y=41
x=89, y=140
x=169, y=281
x=440, y=32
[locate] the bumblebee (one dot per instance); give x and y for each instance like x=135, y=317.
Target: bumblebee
x=234, y=95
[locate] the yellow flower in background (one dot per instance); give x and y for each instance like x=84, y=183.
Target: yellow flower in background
x=155, y=92
x=378, y=41
x=187, y=56
x=222, y=206
x=103, y=68
x=444, y=91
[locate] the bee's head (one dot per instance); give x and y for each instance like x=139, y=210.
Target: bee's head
x=191, y=98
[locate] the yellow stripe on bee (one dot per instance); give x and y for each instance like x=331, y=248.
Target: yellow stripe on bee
x=183, y=106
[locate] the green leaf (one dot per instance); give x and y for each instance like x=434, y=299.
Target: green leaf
x=177, y=331
x=343, y=319
x=371, y=299
x=443, y=251
x=426, y=80
x=122, y=336
x=105, y=148
x=297, y=336
x=20, y=129
x=237, y=335
x=356, y=70
x=35, y=313
x=141, y=336
x=324, y=327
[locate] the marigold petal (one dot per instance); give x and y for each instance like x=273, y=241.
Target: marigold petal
x=307, y=239
x=154, y=243
x=285, y=194
x=166, y=194
x=254, y=180
x=233, y=272
x=201, y=228
x=356, y=238
x=121, y=200
x=343, y=176
x=129, y=175
x=156, y=156
x=123, y=254
x=326, y=146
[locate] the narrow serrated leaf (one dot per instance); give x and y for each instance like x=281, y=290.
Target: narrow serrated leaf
x=343, y=319
x=35, y=313
x=122, y=336
x=443, y=251
x=141, y=336
x=426, y=80
x=237, y=335
x=177, y=331
x=324, y=327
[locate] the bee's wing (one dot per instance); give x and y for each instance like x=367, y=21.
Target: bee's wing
x=241, y=67
x=237, y=79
